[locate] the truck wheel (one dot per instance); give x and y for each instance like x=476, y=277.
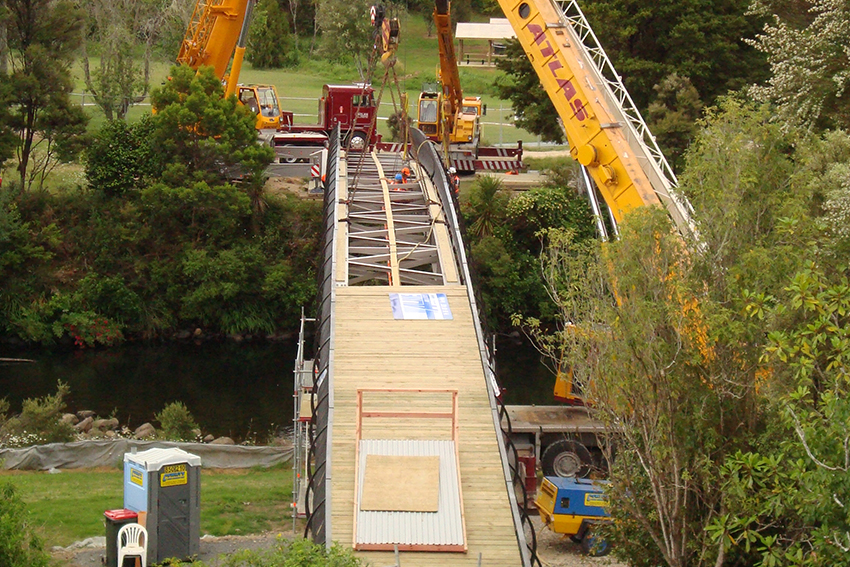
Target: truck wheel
x=566, y=458
x=288, y=159
x=356, y=142
x=594, y=545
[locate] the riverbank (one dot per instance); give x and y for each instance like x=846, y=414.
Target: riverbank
x=238, y=390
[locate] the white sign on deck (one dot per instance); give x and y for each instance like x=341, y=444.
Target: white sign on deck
x=420, y=306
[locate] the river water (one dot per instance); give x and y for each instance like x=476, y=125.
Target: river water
x=240, y=390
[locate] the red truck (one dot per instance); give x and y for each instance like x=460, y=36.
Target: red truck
x=351, y=106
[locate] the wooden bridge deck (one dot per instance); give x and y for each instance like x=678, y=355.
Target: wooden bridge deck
x=373, y=350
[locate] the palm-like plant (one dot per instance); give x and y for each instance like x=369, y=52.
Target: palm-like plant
x=486, y=204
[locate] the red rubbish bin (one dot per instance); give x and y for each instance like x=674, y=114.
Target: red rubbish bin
x=114, y=519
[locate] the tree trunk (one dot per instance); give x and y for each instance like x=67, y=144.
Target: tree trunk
x=4, y=48
x=25, y=149
x=293, y=12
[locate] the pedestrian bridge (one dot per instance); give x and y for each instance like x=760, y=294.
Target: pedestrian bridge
x=409, y=461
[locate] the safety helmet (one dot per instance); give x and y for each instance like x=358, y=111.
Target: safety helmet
x=398, y=177
x=452, y=170
x=405, y=171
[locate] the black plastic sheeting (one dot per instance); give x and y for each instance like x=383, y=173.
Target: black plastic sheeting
x=110, y=453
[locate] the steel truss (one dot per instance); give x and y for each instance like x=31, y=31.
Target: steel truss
x=390, y=226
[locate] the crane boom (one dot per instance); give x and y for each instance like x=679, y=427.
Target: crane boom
x=449, y=75
x=605, y=131
x=217, y=33
x=446, y=116
x=213, y=34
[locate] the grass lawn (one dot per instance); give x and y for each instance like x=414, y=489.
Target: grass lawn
x=69, y=506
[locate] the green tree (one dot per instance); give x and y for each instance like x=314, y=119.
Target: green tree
x=642, y=362
x=484, y=205
x=807, y=52
x=19, y=544
x=505, y=239
x=7, y=135
x=701, y=40
x=223, y=290
x=751, y=215
x=533, y=110
x=177, y=423
x=661, y=340
x=115, y=30
x=672, y=117
x=200, y=135
x=346, y=30
x=270, y=43
x=43, y=36
x=200, y=213
x=787, y=502
x=121, y=157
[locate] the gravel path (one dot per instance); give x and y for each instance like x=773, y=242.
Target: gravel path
x=210, y=549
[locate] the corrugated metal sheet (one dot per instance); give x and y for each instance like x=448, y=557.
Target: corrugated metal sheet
x=441, y=528
x=498, y=28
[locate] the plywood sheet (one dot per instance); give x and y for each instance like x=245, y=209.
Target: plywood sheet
x=401, y=484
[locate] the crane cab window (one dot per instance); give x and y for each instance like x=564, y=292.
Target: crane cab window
x=247, y=98
x=470, y=110
x=428, y=110
x=268, y=101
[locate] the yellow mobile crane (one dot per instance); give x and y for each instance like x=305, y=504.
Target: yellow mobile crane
x=447, y=116
x=218, y=33
x=604, y=129
x=609, y=138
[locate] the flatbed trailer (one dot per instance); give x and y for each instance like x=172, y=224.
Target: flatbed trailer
x=563, y=439
x=486, y=158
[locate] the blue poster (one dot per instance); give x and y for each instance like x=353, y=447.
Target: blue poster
x=420, y=306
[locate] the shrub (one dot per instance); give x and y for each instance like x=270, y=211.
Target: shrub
x=40, y=421
x=120, y=157
x=291, y=553
x=396, y=124
x=176, y=423
x=19, y=546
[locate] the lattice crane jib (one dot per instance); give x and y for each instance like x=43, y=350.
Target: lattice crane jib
x=605, y=131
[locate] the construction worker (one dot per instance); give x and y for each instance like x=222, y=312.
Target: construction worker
x=454, y=179
x=405, y=173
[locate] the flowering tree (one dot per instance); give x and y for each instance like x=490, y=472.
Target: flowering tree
x=809, y=54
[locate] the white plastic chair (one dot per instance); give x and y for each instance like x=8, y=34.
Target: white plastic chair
x=133, y=542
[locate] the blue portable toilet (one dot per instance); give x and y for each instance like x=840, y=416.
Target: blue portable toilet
x=164, y=487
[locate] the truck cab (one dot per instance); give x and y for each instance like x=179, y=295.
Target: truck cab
x=351, y=106
x=574, y=507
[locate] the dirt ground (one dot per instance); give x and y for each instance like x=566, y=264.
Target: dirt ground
x=294, y=185
x=553, y=550
x=211, y=549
